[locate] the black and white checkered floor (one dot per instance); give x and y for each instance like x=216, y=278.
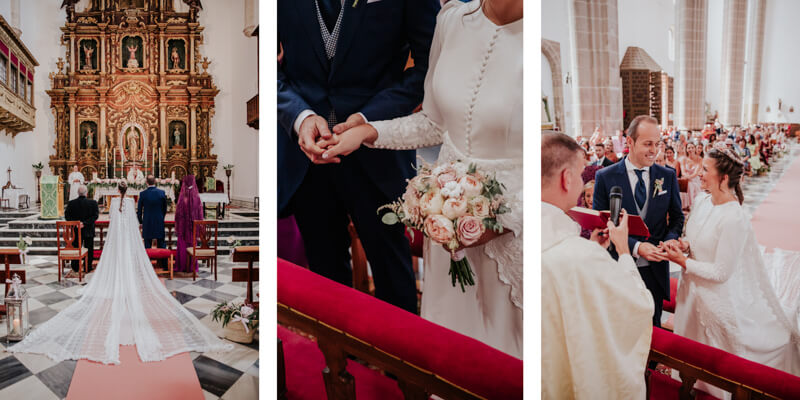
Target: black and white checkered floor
x=230, y=376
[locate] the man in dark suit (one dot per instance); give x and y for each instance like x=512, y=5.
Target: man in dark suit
x=151, y=210
x=344, y=62
x=86, y=211
x=650, y=191
x=602, y=160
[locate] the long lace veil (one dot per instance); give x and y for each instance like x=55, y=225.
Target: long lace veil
x=124, y=303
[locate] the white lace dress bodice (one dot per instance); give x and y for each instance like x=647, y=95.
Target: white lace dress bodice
x=473, y=108
x=124, y=303
x=726, y=299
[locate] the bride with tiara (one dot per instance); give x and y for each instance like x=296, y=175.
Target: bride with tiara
x=731, y=295
x=124, y=304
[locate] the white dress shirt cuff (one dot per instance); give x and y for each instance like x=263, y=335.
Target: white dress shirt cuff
x=366, y=121
x=635, y=252
x=300, y=118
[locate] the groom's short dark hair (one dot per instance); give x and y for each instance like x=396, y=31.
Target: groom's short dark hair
x=558, y=151
x=633, y=128
x=151, y=180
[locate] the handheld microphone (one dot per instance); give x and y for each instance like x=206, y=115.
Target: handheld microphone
x=615, y=205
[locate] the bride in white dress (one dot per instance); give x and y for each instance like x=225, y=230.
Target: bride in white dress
x=473, y=108
x=124, y=304
x=726, y=298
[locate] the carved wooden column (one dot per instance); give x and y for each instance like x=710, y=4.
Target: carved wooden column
x=71, y=54
x=102, y=60
x=163, y=125
x=191, y=47
x=102, y=126
x=72, y=130
x=193, y=127
x=161, y=47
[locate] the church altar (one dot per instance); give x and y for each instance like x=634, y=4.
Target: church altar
x=13, y=195
x=132, y=92
x=103, y=191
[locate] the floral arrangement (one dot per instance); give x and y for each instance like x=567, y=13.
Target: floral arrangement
x=38, y=166
x=22, y=245
x=453, y=204
x=233, y=243
x=227, y=167
x=137, y=184
x=236, y=312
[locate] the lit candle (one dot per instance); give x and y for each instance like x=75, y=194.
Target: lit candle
x=16, y=330
x=113, y=164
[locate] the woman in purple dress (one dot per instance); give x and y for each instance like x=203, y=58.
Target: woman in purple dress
x=188, y=210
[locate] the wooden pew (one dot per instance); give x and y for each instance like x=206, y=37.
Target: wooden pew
x=696, y=361
x=248, y=254
x=426, y=358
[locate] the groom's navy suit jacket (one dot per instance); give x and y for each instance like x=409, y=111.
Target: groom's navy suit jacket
x=664, y=217
x=151, y=210
x=366, y=75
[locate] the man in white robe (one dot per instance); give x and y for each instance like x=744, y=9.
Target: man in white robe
x=596, y=312
x=75, y=180
x=135, y=175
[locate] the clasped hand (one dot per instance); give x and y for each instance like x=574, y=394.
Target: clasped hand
x=323, y=147
x=672, y=250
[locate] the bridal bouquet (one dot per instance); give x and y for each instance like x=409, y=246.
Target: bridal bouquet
x=453, y=204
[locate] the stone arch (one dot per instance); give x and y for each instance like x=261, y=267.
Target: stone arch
x=552, y=51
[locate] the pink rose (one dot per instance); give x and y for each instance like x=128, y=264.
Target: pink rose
x=439, y=229
x=431, y=202
x=454, y=208
x=411, y=197
x=471, y=185
x=470, y=229
x=448, y=175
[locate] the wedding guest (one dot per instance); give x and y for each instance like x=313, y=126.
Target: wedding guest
x=610, y=154
x=618, y=141
x=691, y=166
x=671, y=161
x=600, y=156
x=188, y=209
x=86, y=211
x=590, y=348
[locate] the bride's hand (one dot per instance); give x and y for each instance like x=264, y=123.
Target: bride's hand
x=347, y=142
x=487, y=237
x=674, y=254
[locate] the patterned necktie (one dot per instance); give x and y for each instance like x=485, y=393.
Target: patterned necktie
x=640, y=194
x=330, y=12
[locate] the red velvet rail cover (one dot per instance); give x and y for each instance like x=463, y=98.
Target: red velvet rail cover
x=761, y=377
x=459, y=359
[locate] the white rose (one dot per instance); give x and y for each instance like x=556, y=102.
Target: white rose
x=452, y=189
x=431, y=203
x=246, y=311
x=460, y=168
x=480, y=206
x=454, y=208
x=471, y=185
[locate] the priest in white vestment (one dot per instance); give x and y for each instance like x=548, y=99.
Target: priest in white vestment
x=596, y=312
x=135, y=175
x=75, y=180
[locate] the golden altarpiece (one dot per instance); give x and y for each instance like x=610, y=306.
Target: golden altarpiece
x=131, y=93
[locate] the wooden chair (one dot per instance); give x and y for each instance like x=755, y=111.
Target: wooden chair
x=67, y=232
x=203, y=232
x=248, y=254
x=5, y=204
x=155, y=254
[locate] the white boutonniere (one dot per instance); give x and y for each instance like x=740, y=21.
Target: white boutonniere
x=658, y=187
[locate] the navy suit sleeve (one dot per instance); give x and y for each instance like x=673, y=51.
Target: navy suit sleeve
x=675, y=212
x=140, y=207
x=407, y=94
x=600, y=196
x=163, y=203
x=290, y=103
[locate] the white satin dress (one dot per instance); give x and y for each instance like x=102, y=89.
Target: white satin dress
x=473, y=108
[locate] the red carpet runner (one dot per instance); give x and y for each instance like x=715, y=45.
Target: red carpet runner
x=777, y=219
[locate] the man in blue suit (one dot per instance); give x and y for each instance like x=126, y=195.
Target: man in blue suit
x=650, y=191
x=151, y=211
x=344, y=62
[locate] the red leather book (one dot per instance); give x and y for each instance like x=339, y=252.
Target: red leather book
x=593, y=219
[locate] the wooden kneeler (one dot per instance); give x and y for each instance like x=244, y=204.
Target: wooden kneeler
x=248, y=254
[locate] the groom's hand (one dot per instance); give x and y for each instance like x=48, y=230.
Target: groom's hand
x=651, y=253
x=312, y=129
x=352, y=122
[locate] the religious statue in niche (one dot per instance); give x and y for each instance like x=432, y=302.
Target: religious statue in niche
x=88, y=54
x=88, y=131
x=132, y=140
x=177, y=54
x=177, y=135
x=132, y=52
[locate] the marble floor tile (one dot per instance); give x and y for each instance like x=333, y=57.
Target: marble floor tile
x=46, y=279
x=207, y=283
x=246, y=388
x=38, y=290
x=182, y=297
x=35, y=362
x=13, y=371
x=197, y=314
x=193, y=290
x=72, y=291
x=214, y=376
x=241, y=357
x=201, y=304
x=253, y=370
x=29, y=388
x=176, y=283
x=34, y=304
x=63, y=304
x=214, y=326
x=209, y=396
x=218, y=297
x=232, y=290
x=58, y=377
x=52, y=298
x=41, y=315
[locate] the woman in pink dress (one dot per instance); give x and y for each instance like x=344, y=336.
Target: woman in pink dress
x=691, y=166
